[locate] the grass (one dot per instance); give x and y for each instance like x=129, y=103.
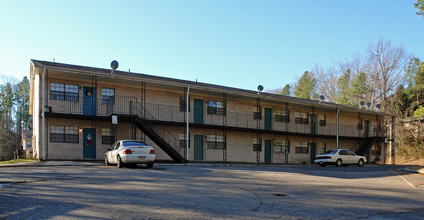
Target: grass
x=17, y=161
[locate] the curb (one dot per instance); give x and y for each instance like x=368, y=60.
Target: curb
x=414, y=171
x=49, y=164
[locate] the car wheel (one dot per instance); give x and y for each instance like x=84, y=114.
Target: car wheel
x=322, y=165
x=360, y=163
x=339, y=163
x=150, y=165
x=119, y=162
x=106, y=161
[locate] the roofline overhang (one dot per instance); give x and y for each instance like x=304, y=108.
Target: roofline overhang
x=197, y=85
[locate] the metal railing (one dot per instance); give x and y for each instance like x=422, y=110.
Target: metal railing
x=127, y=105
x=138, y=110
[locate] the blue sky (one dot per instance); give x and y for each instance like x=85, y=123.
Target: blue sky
x=237, y=43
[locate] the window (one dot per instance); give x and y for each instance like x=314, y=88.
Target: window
x=108, y=136
x=301, y=147
x=282, y=115
x=216, y=107
x=257, y=144
x=63, y=134
x=132, y=143
x=183, y=104
x=378, y=125
x=322, y=148
x=257, y=112
x=108, y=96
x=216, y=141
x=281, y=145
x=301, y=117
x=183, y=142
x=59, y=91
x=322, y=120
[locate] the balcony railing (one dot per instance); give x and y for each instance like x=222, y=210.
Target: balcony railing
x=167, y=113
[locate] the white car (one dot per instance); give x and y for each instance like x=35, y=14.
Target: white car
x=130, y=152
x=340, y=157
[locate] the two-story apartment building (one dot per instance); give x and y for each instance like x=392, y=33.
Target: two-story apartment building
x=79, y=112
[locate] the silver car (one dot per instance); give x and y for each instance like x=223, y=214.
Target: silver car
x=130, y=152
x=340, y=157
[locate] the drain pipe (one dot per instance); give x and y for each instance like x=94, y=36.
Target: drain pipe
x=187, y=130
x=394, y=141
x=337, y=129
x=43, y=85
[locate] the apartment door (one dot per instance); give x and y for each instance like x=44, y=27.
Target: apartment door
x=268, y=151
x=313, y=151
x=367, y=128
x=198, y=111
x=89, y=143
x=89, y=101
x=198, y=147
x=268, y=119
x=313, y=118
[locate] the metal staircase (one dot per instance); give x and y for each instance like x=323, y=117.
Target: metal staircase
x=163, y=138
x=366, y=146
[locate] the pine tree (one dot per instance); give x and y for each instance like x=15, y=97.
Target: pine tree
x=306, y=87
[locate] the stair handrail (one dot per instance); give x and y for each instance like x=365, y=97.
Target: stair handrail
x=164, y=133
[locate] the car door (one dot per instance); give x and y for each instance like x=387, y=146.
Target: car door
x=343, y=155
x=114, y=152
x=352, y=157
x=109, y=153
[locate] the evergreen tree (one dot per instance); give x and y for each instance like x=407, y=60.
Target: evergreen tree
x=359, y=88
x=344, y=91
x=306, y=87
x=21, y=100
x=286, y=90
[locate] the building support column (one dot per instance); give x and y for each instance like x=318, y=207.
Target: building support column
x=188, y=120
x=43, y=113
x=337, y=129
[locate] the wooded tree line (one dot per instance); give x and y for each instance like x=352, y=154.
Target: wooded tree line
x=14, y=115
x=384, y=74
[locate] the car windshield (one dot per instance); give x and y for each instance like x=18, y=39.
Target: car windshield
x=331, y=152
x=133, y=143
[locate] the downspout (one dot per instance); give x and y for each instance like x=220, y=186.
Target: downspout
x=394, y=141
x=337, y=129
x=43, y=113
x=187, y=130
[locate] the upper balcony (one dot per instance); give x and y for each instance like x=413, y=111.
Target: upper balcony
x=201, y=116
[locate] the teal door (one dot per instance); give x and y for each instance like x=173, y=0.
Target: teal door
x=89, y=143
x=89, y=101
x=313, y=151
x=268, y=151
x=367, y=128
x=268, y=119
x=198, y=111
x=313, y=124
x=198, y=147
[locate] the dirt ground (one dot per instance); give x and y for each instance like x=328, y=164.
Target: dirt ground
x=409, y=161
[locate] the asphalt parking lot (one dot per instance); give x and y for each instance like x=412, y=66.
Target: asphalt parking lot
x=210, y=192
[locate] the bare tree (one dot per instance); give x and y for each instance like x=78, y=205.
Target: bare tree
x=326, y=81
x=385, y=67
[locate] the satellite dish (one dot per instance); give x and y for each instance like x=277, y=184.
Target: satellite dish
x=114, y=65
x=321, y=97
x=378, y=106
x=369, y=104
x=362, y=103
x=260, y=88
